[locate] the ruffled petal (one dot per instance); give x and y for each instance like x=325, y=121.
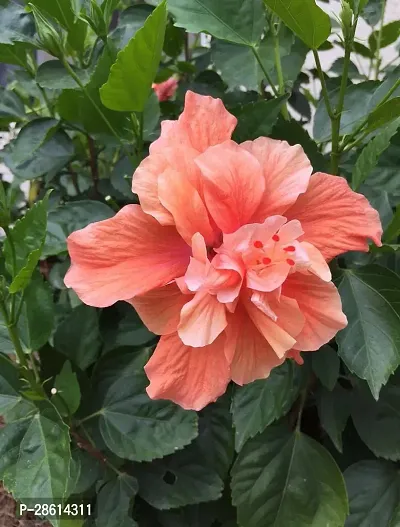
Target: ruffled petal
x=190, y=377
x=202, y=320
x=124, y=256
x=183, y=201
x=204, y=122
x=252, y=356
x=321, y=306
x=233, y=184
x=278, y=338
x=334, y=218
x=145, y=185
x=286, y=170
x=317, y=263
x=268, y=278
x=160, y=309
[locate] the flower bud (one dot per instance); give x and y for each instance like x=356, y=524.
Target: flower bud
x=346, y=18
x=50, y=39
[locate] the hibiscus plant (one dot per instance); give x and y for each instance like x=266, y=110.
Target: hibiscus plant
x=199, y=288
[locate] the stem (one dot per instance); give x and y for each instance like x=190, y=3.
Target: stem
x=278, y=65
x=325, y=93
x=91, y=449
x=14, y=270
x=379, y=41
x=337, y=116
x=74, y=178
x=93, y=164
x=88, y=417
x=258, y=59
x=188, y=55
x=46, y=100
x=303, y=398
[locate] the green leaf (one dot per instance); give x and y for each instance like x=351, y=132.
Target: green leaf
x=52, y=75
x=50, y=157
x=129, y=331
x=239, y=21
x=374, y=488
x=31, y=138
x=308, y=21
x=91, y=470
x=16, y=25
x=71, y=217
x=129, y=84
x=78, y=336
x=68, y=389
x=326, y=366
x=378, y=422
x=256, y=405
x=370, y=155
x=395, y=521
x=14, y=53
x=384, y=114
x=131, y=424
x=13, y=405
x=28, y=237
x=37, y=316
x=393, y=230
x=390, y=33
x=178, y=480
x=370, y=344
x=257, y=119
x=79, y=107
x=35, y=457
x=115, y=500
x=372, y=12
x=334, y=412
x=11, y=106
x=358, y=102
x=216, y=438
x=282, y=478
x=130, y=21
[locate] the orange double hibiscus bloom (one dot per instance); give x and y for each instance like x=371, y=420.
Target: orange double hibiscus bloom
x=226, y=255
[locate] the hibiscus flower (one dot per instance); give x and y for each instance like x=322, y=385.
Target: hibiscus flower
x=226, y=257
x=166, y=90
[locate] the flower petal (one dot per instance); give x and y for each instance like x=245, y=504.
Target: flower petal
x=321, y=306
x=160, y=309
x=317, y=263
x=204, y=122
x=202, y=320
x=286, y=170
x=269, y=278
x=145, y=185
x=334, y=218
x=190, y=377
x=182, y=200
x=124, y=256
x=252, y=357
x=278, y=338
x=233, y=184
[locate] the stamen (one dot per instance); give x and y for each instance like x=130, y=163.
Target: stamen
x=290, y=261
x=267, y=261
x=290, y=249
x=276, y=238
x=258, y=244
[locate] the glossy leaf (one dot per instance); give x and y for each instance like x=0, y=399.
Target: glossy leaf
x=128, y=86
x=384, y=114
x=308, y=21
x=239, y=21
x=257, y=119
x=52, y=75
x=390, y=33
x=334, y=412
x=326, y=366
x=67, y=386
x=378, y=422
x=370, y=344
x=283, y=478
x=370, y=155
x=256, y=405
x=115, y=500
x=31, y=137
x=28, y=237
x=78, y=336
x=16, y=25
x=132, y=425
x=178, y=480
x=374, y=488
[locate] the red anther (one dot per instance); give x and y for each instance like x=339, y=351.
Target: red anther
x=290, y=248
x=276, y=238
x=290, y=261
x=267, y=261
x=258, y=244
